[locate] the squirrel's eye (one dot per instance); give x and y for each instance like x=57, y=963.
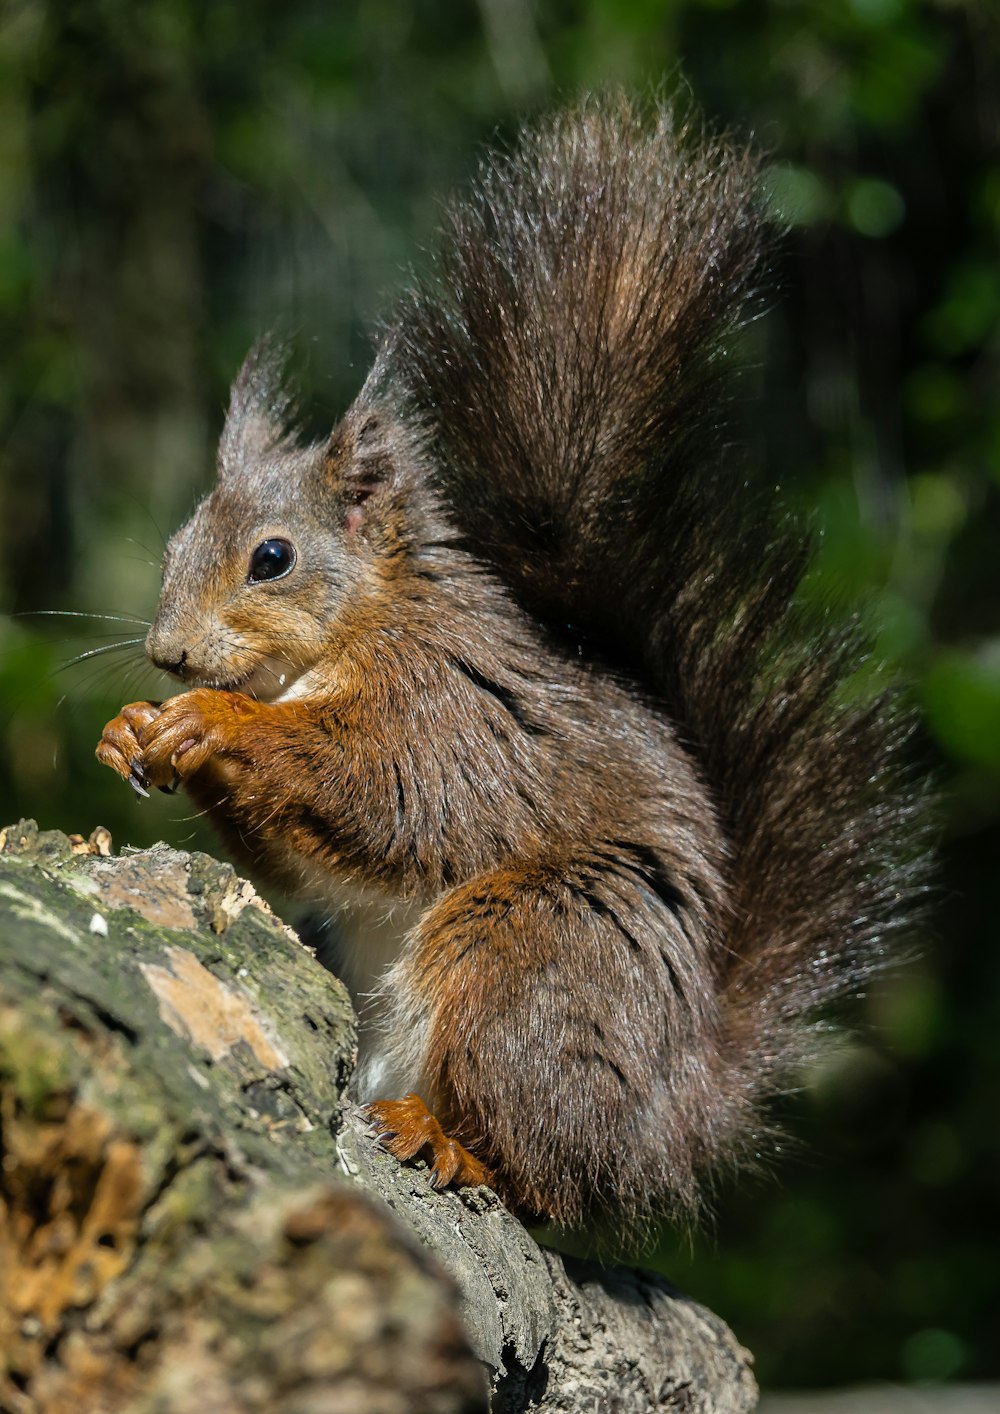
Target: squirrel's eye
x=271, y=560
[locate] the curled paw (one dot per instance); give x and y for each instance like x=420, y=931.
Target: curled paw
x=154, y=744
x=408, y=1130
x=120, y=744
x=188, y=730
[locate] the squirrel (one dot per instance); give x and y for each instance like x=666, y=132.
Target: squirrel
x=513, y=664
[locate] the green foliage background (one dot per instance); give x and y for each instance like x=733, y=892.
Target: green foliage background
x=175, y=176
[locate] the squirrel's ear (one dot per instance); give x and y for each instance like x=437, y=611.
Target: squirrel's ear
x=372, y=450
x=260, y=409
x=360, y=454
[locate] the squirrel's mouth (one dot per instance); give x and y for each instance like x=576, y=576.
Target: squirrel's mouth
x=273, y=679
x=268, y=681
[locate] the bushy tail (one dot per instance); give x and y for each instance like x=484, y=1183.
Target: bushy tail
x=569, y=359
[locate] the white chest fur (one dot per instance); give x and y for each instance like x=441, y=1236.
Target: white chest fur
x=370, y=931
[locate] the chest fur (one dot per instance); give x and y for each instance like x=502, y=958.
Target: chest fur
x=363, y=936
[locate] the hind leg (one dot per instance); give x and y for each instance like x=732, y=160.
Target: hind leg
x=529, y=1008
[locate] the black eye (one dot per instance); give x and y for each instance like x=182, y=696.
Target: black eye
x=271, y=560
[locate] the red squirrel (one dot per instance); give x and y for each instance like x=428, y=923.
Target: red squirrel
x=516, y=652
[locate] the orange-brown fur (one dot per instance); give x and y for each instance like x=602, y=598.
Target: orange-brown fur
x=536, y=669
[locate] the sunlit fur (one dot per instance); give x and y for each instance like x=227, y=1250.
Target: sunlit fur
x=538, y=671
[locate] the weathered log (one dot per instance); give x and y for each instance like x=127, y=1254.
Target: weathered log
x=192, y=1216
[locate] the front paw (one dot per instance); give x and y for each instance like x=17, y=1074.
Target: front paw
x=188, y=731
x=120, y=745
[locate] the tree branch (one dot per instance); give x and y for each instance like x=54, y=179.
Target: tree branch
x=191, y=1215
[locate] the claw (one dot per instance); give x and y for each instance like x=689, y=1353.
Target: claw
x=376, y=1128
x=137, y=781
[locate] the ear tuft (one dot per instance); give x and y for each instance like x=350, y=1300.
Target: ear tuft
x=372, y=465
x=261, y=408
x=368, y=451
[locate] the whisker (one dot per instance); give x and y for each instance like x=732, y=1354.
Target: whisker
x=132, y=496
x=85, y=633
x=107, y=680
x=77, y=614
x=96, y=652
x=201, y=814
x=141, y=545
x=139, y=560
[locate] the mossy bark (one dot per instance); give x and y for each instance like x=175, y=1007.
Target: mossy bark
x=191, y=1215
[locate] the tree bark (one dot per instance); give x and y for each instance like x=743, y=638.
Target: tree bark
x=192, y=1215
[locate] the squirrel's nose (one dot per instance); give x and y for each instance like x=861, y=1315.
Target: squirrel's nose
x=166, y=655
x=177, y=668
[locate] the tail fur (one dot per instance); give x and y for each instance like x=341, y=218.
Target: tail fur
x=569, y=362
